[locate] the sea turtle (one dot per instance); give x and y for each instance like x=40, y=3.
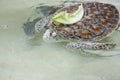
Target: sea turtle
x=98, y=22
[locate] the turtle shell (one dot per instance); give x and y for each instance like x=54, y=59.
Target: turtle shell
x=98, y=21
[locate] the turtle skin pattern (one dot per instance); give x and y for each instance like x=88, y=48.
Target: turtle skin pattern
x=98, y=21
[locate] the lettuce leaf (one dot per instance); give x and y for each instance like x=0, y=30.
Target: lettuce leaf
x=69, y=18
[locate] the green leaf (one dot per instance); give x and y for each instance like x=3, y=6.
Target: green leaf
x=69, y=18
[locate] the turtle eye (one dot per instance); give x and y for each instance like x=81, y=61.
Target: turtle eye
x=46, y=27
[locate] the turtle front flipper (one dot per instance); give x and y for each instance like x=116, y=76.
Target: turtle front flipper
x=42, y=24
x=90, y=46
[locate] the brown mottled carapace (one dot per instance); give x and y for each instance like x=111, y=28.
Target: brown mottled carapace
x=98, y=21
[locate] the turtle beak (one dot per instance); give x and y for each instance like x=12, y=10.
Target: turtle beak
x=48, y=36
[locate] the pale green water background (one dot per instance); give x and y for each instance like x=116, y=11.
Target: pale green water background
x=21, y=59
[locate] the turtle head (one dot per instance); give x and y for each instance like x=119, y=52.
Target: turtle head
x=55, y=36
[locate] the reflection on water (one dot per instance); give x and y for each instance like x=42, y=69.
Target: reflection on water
x=33, y=59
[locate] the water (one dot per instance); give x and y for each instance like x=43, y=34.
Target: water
x=23, y=59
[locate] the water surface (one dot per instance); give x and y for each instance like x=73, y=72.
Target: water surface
x=24, y=59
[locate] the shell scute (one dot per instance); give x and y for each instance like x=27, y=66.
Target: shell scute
x=83, y=33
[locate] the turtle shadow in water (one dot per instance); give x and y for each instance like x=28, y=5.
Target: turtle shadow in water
x=42, y=11
x=29, y=28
